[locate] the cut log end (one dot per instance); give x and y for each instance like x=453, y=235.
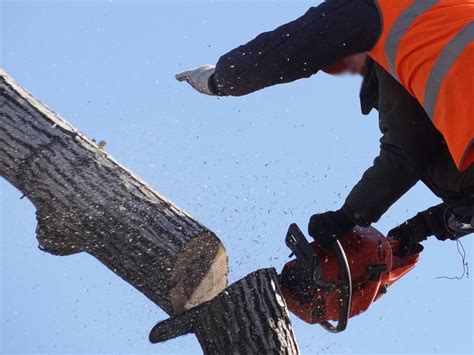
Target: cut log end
x=205, y=258
x=87, y=202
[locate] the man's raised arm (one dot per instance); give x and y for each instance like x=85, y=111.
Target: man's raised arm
x=322, y=36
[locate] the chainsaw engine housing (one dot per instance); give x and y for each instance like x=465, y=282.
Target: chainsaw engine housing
x=373, y=268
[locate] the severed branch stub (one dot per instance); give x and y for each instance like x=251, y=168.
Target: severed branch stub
x=87, y=202
x=248, y=317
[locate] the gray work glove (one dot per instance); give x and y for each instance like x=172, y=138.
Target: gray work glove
x=198, y=78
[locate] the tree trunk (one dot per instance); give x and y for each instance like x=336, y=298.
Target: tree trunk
x=249, y=317
x=87, y=202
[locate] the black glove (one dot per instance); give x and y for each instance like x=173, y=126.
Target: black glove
x=327, y=227
x=433, y=222
x=410, y=234
x=435, y=219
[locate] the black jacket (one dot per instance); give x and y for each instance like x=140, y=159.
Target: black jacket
x=411, y=149
x=324, y=35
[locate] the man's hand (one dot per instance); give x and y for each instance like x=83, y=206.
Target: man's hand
x=327, y=227
x=198, y=78
x=410, y=234
x=419, y=228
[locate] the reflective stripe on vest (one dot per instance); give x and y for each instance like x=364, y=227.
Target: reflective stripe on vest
x=401, y=25
x=444, y=62
x=447, y=57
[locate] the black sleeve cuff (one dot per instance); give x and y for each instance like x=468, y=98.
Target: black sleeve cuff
x=212, y=85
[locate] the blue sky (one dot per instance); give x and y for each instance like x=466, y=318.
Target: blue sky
x=245, y=167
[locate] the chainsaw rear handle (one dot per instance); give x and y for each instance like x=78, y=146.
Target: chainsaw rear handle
x=305, y=255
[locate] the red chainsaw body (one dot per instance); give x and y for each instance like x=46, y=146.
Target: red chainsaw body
x=373, y=267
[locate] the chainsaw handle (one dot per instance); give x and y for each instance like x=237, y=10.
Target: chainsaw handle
x=346, y=290
x=301, y=248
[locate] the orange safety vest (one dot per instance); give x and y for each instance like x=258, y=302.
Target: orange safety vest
x=428, y=46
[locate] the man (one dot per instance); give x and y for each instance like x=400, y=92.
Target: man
x=411, y=150
x=427, y=45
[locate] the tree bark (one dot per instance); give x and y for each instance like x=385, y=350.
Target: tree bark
x=249, y=317
x=87, y=202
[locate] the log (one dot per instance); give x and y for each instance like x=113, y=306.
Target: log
x=87, y=202
x=248, y=317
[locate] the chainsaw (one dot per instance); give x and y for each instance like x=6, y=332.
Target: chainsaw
x=333, y=284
